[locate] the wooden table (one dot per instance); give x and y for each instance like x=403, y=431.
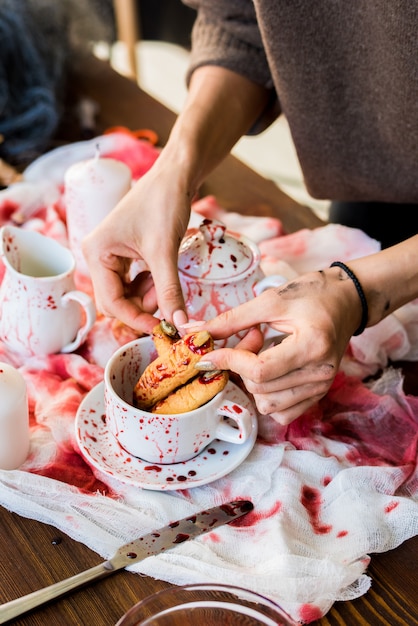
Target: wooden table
x=34, y=555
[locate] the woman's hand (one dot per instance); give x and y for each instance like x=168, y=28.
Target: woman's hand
x=146, y=227
x=149, y=223
x=317, y=313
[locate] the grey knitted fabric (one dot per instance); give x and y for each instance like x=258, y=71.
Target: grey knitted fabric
x=345, y=73
x=38, y=40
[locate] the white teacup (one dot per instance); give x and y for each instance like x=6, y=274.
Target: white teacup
x=41, y=310
x=164, y=439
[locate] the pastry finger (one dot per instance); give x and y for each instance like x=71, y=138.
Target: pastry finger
x=164, y=335
x=173, y=370
x=194, y=394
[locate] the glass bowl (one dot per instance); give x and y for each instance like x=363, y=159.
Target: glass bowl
x=206, y=605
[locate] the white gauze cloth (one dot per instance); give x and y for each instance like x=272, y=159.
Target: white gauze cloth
x=336, y=486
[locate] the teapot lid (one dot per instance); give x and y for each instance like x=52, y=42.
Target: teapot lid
x=213, y=254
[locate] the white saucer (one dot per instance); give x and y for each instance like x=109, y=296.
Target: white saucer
x=102, y=450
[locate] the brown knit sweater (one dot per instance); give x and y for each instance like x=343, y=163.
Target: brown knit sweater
x=345, y=74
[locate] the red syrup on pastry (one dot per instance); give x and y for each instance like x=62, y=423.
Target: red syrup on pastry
x=203, y=349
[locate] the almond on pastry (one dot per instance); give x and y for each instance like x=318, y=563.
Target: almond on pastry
x=194, y=394
x=172, y=370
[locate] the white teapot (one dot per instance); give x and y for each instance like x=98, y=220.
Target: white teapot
x=219, y=270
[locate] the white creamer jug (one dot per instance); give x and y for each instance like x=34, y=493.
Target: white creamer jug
x=41, y=310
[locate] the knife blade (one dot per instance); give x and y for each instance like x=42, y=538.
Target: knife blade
x=152, y=543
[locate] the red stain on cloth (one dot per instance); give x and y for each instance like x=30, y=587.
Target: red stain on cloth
x=69, y=467
x=311, y=499
x=378, y=425
x=139, y=155
x=309, y=613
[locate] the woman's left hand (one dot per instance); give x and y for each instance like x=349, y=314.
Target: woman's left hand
x=317, y=313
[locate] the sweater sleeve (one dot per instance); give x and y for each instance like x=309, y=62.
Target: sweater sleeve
x=226, y=34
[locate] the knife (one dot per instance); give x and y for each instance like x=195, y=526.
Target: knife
x=152, y=543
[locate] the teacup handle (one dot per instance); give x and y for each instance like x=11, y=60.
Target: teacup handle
x=241, y=416
x=86, y=302
x=275, y=280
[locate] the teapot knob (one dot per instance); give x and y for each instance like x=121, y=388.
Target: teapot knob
x=211, y=253
x=212, y=230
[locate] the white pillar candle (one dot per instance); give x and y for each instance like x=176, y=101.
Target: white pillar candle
x=14, y=418
x=92, y=189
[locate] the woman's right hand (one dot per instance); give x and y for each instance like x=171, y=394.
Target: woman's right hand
x=149, y=223
x=146, y=226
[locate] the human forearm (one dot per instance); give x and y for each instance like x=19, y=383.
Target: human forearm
x=389, y=278
x=221, y=107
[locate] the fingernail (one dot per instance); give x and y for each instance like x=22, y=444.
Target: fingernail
x=179, y=318
x=188, y=325
x=205, y=366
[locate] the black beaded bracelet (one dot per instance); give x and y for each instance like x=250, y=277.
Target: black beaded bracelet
x=364, y=307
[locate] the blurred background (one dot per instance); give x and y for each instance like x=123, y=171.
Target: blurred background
x=161, y=58
x=146, y=40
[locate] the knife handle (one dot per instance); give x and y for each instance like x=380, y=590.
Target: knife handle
x=17, y=607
